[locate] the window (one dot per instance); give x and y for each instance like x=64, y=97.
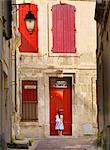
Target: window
x=29, y=43
x=63, y=28
x=29, y=101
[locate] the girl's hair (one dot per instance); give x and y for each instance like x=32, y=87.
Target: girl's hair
x=58, y=111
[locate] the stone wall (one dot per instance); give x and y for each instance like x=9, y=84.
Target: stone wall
x=46, y=64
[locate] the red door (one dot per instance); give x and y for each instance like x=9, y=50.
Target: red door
x=61, y=98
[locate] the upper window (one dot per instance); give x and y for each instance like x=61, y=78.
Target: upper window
x=29, y=42
x=63, y=28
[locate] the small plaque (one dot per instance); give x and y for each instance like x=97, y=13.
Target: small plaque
x=88, y=129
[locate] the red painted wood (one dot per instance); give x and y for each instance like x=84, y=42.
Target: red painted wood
x=68, y=111
x=29, y=43
x=29, y=101
x=29, y=94
x=61, y=98
x=63, y=22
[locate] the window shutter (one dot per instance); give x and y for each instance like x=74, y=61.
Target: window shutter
x=29, y=43
x=29, y=101
x=63, y=22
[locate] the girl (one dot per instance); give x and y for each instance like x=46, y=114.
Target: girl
x=59, y=122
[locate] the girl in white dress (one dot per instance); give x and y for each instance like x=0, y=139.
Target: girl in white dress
x=59, y=123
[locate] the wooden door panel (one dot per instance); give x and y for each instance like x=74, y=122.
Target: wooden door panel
x=60, y=98
x=67, y=111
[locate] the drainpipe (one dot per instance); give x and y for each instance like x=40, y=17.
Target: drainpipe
x=15, y=84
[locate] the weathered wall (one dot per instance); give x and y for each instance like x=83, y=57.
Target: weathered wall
x=103, y=71
x=45, y=64
x=5, y=80
x=1, y=45
x=106, y=83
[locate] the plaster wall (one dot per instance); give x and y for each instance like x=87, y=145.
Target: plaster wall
x=45, y=64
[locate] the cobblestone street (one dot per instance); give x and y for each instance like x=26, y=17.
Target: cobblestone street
x=65, y=144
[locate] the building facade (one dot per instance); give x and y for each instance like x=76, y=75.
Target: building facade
x=102, y=16
x=5, y=73
x=56, y=68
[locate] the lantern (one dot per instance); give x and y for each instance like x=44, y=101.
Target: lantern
x=30, y=22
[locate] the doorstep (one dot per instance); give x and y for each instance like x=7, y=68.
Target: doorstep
x=19, y=144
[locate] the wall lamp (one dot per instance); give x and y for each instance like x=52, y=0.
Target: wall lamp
x=30, y=22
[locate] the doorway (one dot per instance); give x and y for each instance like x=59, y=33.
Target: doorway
x=61, y=98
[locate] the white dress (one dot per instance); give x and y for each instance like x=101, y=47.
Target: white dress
x=59, y=123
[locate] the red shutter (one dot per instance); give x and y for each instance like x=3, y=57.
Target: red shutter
x=29, y=43
x=29, y=101
x=63, y=21
x=29, y=89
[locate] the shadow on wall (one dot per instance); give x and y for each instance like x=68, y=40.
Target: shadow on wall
x=2, y=142
x=86, y=124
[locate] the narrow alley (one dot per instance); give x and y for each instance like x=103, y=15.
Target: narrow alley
x=54, y=74
x=63, y=143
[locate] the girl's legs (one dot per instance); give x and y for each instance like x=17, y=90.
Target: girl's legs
x=58, y=132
